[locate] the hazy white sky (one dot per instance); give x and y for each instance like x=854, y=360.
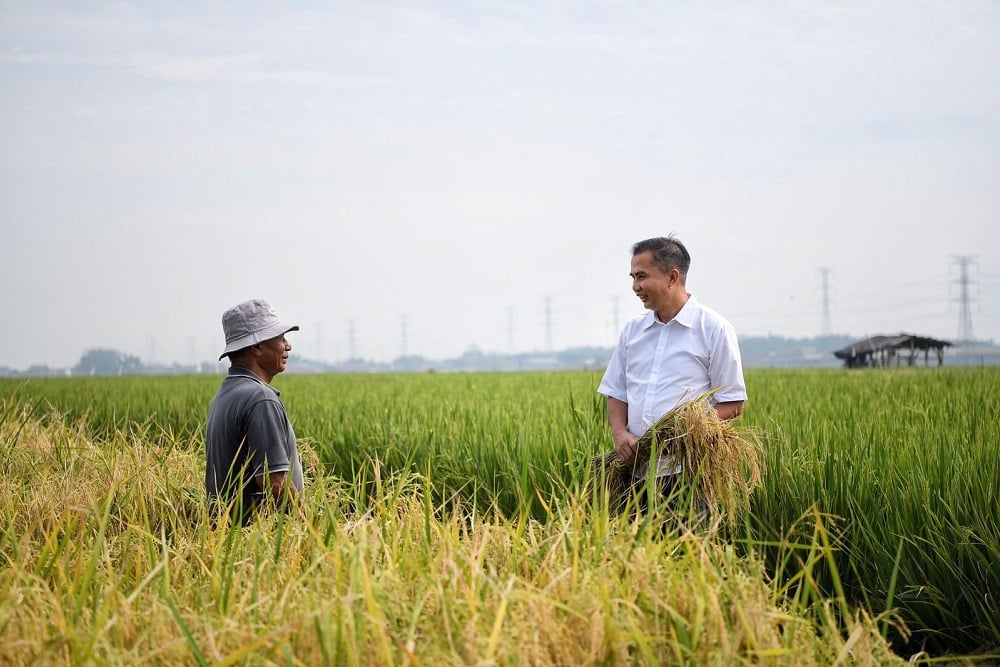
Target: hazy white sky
x=461, y=169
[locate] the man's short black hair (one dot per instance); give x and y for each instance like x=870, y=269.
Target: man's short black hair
x=668, y=253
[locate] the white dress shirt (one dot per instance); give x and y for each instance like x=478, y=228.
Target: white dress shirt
x=658, y=365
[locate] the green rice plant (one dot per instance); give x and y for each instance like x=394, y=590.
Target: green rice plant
x=906, y=462
x=901, y=464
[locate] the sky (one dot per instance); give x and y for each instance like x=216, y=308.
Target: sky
x=427, y=177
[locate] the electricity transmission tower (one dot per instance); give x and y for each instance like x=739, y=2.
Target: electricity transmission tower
x=402, y=338
x=510, y=330
x=826, y=329
x=964, y=300
x=615, y=322
x=548, y=324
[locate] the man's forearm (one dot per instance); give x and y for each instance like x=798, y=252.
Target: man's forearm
x=279, y=488
x=729, y=409
x=623, y=439
x=617, y=417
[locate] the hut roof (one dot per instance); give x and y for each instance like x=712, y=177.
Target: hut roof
x=880, y=342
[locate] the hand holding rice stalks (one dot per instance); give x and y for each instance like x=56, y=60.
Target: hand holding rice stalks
x=720, y=464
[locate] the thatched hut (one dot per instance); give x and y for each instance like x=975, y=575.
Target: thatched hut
x=883, y=351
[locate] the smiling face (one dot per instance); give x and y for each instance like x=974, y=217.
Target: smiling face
x=660, y=291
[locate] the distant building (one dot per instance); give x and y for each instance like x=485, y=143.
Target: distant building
x=882, y=351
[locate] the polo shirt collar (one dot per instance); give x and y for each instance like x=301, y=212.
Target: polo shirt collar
x=237, y=371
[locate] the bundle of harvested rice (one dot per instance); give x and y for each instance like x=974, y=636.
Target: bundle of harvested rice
x=720, y=464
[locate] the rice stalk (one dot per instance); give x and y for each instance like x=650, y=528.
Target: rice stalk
x=720, y=464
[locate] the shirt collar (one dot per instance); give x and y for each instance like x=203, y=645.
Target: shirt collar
x=684, y=317
x=239, y=371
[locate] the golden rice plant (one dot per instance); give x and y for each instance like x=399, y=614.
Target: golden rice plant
x=720, y=464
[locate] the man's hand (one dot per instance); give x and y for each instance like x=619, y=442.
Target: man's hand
x=625, y=446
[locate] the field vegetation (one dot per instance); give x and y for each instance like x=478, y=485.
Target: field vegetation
x=446, y=522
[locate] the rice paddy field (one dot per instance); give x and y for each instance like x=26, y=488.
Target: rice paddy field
x=447, y=522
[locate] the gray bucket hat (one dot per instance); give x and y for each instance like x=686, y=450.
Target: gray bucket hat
x=249, y=323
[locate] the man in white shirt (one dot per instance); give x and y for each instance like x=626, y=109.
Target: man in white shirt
x=676, y=352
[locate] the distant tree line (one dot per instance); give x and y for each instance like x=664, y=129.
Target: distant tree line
x=103, y=361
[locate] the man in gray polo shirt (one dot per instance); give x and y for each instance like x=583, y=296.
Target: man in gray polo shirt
x=250, y=451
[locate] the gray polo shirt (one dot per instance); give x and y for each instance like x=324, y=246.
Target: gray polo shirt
x=248, y=435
